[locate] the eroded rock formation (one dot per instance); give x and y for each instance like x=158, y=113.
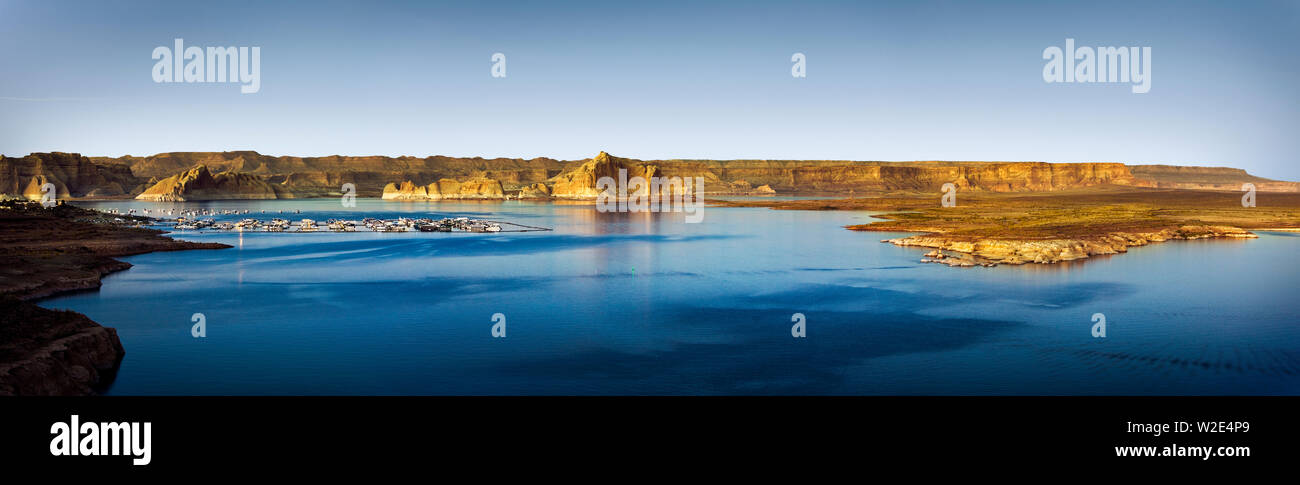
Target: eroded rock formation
x=72, y=175
x=477, y=188
x=289, y=176
x=581, y=181
x=200, y=184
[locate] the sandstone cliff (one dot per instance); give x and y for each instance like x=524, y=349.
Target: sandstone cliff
x=323, y=176
x=477, y=188
x=289, y=176
x=72, y=175
x=581, y=181
x=200, y=184
x=831, y=177
x=536, y=191
x=1208, y=178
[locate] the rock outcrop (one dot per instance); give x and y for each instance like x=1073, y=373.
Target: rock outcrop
x=536, y=191
x=478, y=188
x=200, y=184
x=581, y=181
x=991, y=252
x=51, y=353
x=72, y=175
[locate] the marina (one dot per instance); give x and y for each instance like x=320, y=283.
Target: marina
x=191, y=222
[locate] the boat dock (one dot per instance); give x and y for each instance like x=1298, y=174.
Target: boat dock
x=368, y=224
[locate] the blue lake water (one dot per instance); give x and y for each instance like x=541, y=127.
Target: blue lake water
x=616, y=303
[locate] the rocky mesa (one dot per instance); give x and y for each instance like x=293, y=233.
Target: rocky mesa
x=1208, y=178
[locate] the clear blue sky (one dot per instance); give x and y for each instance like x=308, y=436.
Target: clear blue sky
x=886, y=81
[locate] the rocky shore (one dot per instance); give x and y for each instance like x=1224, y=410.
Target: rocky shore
x=54, y=353
x=968, y=252
x=44, y=252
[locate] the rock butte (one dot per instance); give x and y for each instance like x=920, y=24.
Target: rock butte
x=199, y=184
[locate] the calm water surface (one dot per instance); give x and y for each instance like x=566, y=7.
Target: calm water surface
x=646, y=304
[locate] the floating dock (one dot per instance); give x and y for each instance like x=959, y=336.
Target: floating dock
x=369, y=224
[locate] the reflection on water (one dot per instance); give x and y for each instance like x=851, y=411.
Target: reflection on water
x=617, y=303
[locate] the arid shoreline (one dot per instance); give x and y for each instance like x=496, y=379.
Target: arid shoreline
x=46, y=252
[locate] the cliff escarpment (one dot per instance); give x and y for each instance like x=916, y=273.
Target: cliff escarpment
x=324, y=176
x=288, y=176
x=479, y=188
x=200, y=184
x=72, y=175
x=1208, y=178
